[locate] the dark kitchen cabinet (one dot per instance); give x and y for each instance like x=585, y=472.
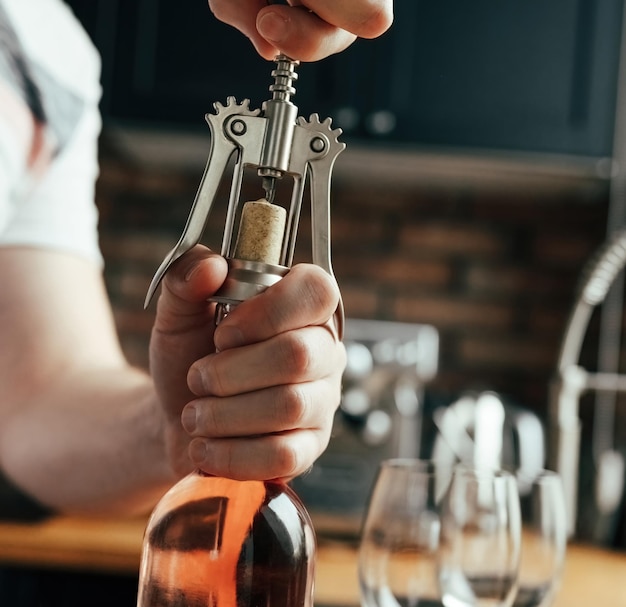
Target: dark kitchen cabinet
x=522, y=75
x=166, y=64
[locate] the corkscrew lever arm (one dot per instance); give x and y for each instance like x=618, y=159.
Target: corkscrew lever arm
x=222, y=149
x=324, y=147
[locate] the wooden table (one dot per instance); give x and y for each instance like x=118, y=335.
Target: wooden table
x=592, y=578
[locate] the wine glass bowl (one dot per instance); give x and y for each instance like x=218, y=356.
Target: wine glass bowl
x=544, y=539
x=398, y=555
x=480, y=539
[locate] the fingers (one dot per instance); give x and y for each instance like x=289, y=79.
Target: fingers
x=270, y=411
x=289, y=358
x=266, y=400
x=363, y=18
x=286, y=428
x=301, y=34
x=186, y=287
x=264, y=458
x=272, y=415
x=307, y=295
x=307, y=30
x=183, y=328
x=261, y=405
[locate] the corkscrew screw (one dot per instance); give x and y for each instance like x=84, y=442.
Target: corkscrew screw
x=277, y=143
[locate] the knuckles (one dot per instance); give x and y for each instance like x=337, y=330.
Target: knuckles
x=296, y=354
x=316, y=287
x=285, y=460
x=292, y=407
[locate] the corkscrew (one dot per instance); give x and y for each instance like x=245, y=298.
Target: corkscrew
x=278, y=144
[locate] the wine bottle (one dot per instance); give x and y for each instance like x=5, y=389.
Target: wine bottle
x=216, y=542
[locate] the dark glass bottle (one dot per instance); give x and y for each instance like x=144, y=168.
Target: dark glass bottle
x=216, y=542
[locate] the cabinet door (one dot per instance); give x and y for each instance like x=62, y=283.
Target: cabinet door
x=518, y=75
x=528, y=75
x=173, y=62
x=356, y=87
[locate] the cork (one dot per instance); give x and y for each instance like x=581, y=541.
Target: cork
x=261, y=232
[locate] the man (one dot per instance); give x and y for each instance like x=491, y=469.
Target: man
x=81, y=430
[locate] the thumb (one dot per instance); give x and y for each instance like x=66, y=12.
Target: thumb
x=186, y=288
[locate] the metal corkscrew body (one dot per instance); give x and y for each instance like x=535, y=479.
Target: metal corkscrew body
x=277, y=143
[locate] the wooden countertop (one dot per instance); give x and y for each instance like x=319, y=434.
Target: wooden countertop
x=593, y=577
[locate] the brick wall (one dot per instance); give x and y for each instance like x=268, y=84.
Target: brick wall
x=493, y=269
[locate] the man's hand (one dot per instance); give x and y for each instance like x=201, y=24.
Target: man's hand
x=307, y=30
x=256, y=396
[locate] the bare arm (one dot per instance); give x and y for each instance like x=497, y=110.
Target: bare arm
x=72, y=411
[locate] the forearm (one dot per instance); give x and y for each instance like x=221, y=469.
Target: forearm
x=79, y=428
x=92, y=441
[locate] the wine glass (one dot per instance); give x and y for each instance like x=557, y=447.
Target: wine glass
x=480, y=539
x=400, y=538
x=544, y=539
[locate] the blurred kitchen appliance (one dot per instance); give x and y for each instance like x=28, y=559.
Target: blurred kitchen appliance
x=572, y=381
x=484, y=430
x=380, y=416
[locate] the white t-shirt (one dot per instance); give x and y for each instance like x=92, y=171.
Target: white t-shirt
x=49, y=127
